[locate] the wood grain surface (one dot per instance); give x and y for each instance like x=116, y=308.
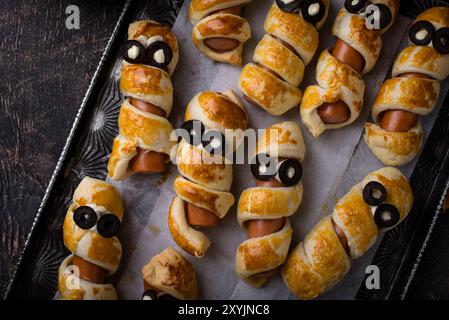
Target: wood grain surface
x=45, y=71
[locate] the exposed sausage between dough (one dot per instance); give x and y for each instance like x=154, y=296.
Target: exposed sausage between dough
x=148, y=161
x=400, y=120
x=261, y=227
x=200, y=217
x=89, y=271
x=339, y=112
x=342, y=237
x=223, y=44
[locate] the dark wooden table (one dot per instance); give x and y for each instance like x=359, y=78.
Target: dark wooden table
x=45, y=71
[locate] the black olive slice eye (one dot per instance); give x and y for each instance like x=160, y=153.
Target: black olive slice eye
x=159, y=54
x=385, y=15
x=194, y=130
x=108, y=225
x=288, y=5
x=374, y=193
x=85, y=217
x=149, y=295
x=263, y=167
x=313, y=10
x=214, y=142
x=290, y=172
x=134, y=52
x=441, y=40
x=355, y=6
x=386, y=216
x=421, y=33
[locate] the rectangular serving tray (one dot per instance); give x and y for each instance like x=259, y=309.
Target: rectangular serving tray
x=403, y=252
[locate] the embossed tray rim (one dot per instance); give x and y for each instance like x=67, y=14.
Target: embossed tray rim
x=398, y=286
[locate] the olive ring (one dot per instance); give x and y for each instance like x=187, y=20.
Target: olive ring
x=85, y=217
x=414, y=33
x=386, y=215
x=441, y=40
x=108, y=225
x=374, y=193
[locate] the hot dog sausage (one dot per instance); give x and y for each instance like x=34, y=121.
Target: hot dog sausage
x=148, y=161
x=342, y=237
x=397, y=120
x=200, y=217
x=147, y=107
x=400, y=120
x=222, y=44
x=89, y=271
x=339, y=112
x=334, y=112
x=348, y=55
x=260, y=227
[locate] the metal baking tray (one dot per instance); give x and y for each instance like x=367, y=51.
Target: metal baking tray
x=403, y=254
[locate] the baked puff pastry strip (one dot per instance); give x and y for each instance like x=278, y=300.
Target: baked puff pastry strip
x=149, y=58
x=379, y=202
x=280, y=57
x=337, y=99
x=264, y=210
x=89, y=232
x=169, y=275
x=219, y=31
x=396, y=135
x=203, y=188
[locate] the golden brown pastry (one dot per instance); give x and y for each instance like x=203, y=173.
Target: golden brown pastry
x=89, y=231
x=202, y=190
x=337, y=99
x=264, y=210
x=143, y=145
x=396, y=135
x=290, y=42
x=219, y=31
x=168, y=275
x=380, y=202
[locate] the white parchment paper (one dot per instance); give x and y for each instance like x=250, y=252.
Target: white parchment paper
x=333, y=163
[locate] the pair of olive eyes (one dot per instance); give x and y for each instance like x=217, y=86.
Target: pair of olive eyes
x=386, y=215
x=135, y=52
x=213, y=141
x=423, y=32
x=360, y=6
x=288, y=172
x=108, y=225
x=152, y=295
x=311, y=10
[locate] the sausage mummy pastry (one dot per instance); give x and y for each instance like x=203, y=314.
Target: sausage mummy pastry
x=380, y=202
x=289, y=44
x=202, y=190
x=89, y=231
x=167, y=276
x=396, y=135
x=219, y=31
x=143, y=144
x=338, y=98
x=264, y=210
